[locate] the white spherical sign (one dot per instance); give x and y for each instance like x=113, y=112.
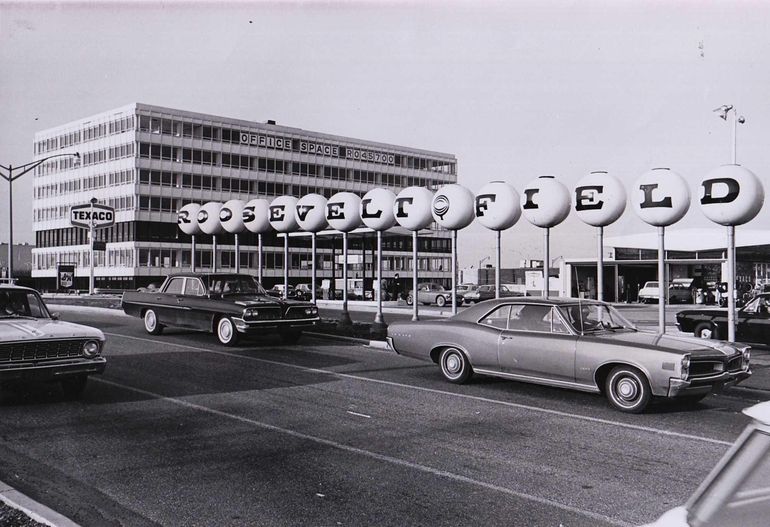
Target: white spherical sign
x=545, y=202
x=311, y=213
x=497, y=206
x=412, y=208
x=377, y=209
x=256, y=216
x=599, y=199
x=187, y=219
x=231, y=215
x=343, y=211
x=208, y=218
x=731, y=195
x=281, y=214
x=452, y=207
x=660, y=197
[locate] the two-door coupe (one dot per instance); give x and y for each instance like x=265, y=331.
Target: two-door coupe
x=752, y=321
x=228, y=305
x=566, y=342
x=35, y=345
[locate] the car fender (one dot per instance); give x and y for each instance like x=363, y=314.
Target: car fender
x=436, y=350
x=602, y=370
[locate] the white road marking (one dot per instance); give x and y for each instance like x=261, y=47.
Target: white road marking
x=360, y=415
x=658, y=431
x=366, y=453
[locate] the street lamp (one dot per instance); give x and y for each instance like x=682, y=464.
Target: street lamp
x=10, y=177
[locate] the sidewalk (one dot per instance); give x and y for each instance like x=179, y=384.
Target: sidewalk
x=757, y=386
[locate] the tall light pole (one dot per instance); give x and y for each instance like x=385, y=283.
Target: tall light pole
x=723, y=112
x=10, y=177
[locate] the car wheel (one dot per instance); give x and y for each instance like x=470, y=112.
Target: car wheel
x=409, y=300
x=627, y=389
x=73, y=386
x=454, y=366
x=704, y=330
x=151, y=324
x=290, y=337
x=440, y=301
x=226, y=332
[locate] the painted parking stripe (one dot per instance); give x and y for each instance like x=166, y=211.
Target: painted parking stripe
x=372, y=455
x=657, y=431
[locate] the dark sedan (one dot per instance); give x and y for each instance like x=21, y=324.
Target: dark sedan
x=571, y=343
x=228, y=305
x=752, y=322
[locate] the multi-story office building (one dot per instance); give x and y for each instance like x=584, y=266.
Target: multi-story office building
x=147, y=162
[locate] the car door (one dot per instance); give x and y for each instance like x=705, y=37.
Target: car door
x=537, y=343
x=753, y=322
x=191, y=306
x=165, y=303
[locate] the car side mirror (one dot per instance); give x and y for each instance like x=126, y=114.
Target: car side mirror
x=55, y=316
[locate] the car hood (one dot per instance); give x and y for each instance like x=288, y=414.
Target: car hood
x=713, y=312
x=17, y=329
x=249, y=299
x=669, y=343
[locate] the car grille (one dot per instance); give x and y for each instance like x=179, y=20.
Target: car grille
x=269, y=313
x=296, y=312
x=40, y=350
x=705, y=368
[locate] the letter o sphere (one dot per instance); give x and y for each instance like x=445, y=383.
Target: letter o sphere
x=660, y=197
x=599, y=199
x=311, y=213
x=412, y=208
x=377, y=209
x=545, y=202
x=255, y=216
x=343, y=211
x=282, y=214
x=731, y=195
x=231, y=216
x=208, y=218
x=452, y=207
x=187, y=219
x=497, y=206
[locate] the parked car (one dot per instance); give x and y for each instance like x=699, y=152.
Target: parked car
x=432, y=293
x=466, y=288
x=565, y=342
x=736, y=491
x=229, y=305
x=303, y=292
x=277, y=291
x=752, y=322
x=678, y=292
x=487, y=292
x=36, y=345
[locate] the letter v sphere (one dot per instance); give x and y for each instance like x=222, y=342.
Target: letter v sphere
x=311, y=217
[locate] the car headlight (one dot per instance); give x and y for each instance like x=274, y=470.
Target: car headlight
x=91, y=348
x=685, y=367
x=311, y=311
x=250, y=313
x=746, y=359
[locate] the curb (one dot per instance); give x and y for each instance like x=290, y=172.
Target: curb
x=375, y=344
x=35, y=510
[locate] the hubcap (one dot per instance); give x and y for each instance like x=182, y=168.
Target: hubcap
x=705, y=333
x=453, y=364
x=225, y=331
x=627, y=389
x=149, y=319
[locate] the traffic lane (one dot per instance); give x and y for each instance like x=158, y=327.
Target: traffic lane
x=717, y=416
x=311, y=404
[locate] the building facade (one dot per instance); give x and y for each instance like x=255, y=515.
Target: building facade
x=148, y=161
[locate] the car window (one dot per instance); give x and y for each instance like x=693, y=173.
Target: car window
x=175, y=286
x=20, y=303
x=557, y=324
x=530, y=318
x=194, y=287
x=497, y=318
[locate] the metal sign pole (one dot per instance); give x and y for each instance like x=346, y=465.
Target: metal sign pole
x=91, y=249
x=313, y=267
x=415, y=294
x=731, y=283
x=600, y=266
x=497, y=265
x=661, y=280
x=547, y=261
x=213, y=253
x=192, y=255
x=285, y=265
x=259, y=258
x=454, y=271
x=378, y=319
x=237, y=254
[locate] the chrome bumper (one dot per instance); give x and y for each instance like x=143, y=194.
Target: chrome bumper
x=51, y=369
x=677, y=387
x=389, y=340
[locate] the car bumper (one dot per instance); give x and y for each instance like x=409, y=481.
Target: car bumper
x=51, y=370
x=389, y=340
x=680, y=387
x=273, y=326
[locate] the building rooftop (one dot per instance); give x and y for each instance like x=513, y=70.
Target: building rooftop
x=702, y=239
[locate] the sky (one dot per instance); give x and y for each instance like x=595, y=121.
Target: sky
x=513, y=89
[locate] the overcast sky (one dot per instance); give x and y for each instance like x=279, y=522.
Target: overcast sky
x=513, y=89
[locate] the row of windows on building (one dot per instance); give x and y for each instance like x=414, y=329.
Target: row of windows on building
x=93, y=157
x=110, y=179
x=179, y=259
x=61, y=212
x=89, y=132
x=175, y=128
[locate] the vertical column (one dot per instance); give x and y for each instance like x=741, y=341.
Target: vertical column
x=415, y=295
x=600, y=266
x=546, y=262
x=662, y=282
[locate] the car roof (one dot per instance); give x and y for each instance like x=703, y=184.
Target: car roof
x=474, y=312
x=16, y=287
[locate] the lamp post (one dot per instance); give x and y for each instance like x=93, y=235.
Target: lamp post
x=10, y=177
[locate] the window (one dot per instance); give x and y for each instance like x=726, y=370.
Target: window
x=194, y=287
x=175, y=286
x=497, y=318
x=530, y=318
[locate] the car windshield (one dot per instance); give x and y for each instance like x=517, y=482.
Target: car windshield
x=651, y=284
x=236, y=284
x=17, y=303
x=589, y=318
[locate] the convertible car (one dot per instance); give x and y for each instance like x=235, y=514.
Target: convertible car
x=35, y=345
x=571, y=343
x=752, y=322
x=229, y=305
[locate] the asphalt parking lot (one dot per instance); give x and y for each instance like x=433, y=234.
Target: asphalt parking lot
x=182, y=431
